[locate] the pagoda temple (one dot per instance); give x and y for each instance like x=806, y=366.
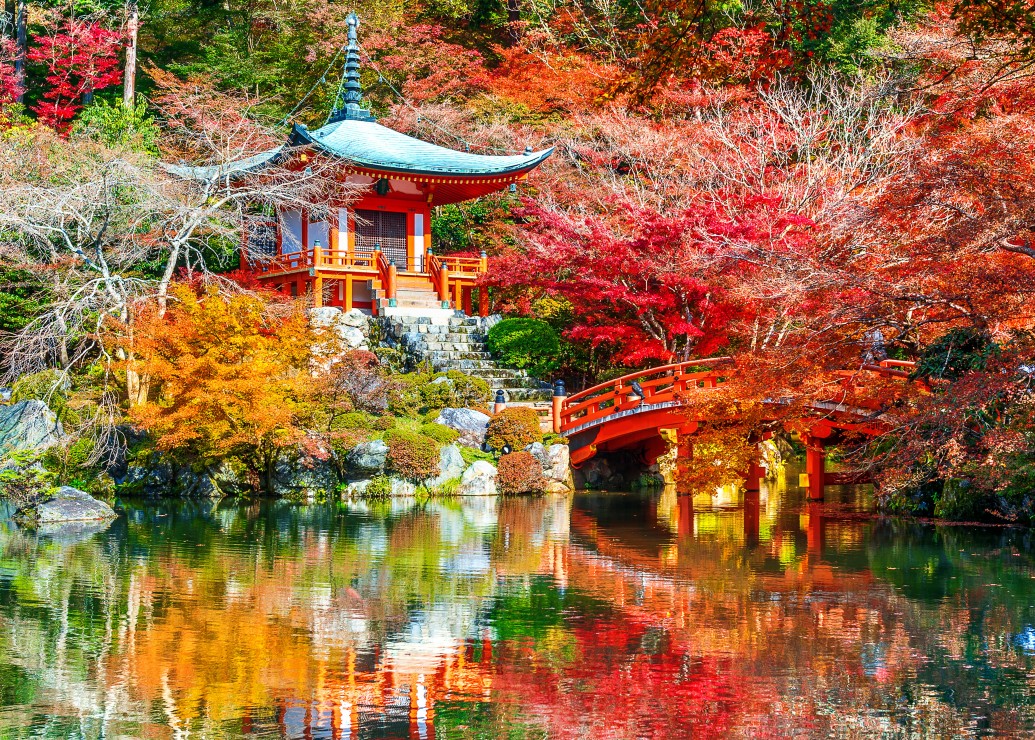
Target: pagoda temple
x=375, y=253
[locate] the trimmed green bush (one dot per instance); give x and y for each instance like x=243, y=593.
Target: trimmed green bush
x=516, y=427
x=440, y=433
x=383, y=423
x=527, y=344
x=412, y=456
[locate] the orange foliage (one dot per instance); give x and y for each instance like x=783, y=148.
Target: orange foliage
x=230, y=378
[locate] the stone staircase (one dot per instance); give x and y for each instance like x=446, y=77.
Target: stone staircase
x=457, y=342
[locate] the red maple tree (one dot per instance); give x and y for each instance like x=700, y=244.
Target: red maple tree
x=81, y=57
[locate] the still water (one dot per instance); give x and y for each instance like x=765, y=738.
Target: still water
x=587, y=616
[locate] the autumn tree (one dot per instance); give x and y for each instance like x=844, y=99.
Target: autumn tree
x=231, y=376
x=81, y=58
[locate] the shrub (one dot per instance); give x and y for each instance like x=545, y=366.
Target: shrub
x=468, y=390
x=352, y=420
x=26, y=485
x=358, y=377
x=515, y=427
x=528, y=344
x=49, y=386
x=440, y=433
x=383, y=423
x=520, y=472
x=380, y=487
x=404, y=399
x=412, y=456
x=418, y=394
x=438, y=395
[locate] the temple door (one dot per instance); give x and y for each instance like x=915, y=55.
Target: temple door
x=384, y=228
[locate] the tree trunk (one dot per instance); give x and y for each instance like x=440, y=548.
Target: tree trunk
x=129, y=84
x=22, y=43
x=513, y=21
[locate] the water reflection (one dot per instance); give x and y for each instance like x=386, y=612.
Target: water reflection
x=611, y=615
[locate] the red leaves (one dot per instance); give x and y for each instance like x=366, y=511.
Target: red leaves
x=80, y=58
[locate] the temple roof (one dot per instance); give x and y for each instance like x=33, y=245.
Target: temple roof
x=371, y=146
x=353, y=135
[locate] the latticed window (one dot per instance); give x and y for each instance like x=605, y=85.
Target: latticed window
x=262, y=237
x=384, y=228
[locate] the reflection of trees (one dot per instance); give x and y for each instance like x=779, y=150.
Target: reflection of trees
x=640, y=617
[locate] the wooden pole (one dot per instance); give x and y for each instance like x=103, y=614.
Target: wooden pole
x=443, y=282
x=815, y=467
x=393, y=280
x=560, y=395
x=317, y=277
x=483, y=301
x=347, y=303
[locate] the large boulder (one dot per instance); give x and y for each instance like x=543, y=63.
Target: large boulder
x=26, y=426
x=70, y=505
x=400, y=487
x=304, y=473
x=470, y=423
x=368, y=457
x=352, y=327
x=558, y=467
x=479, y=480
x=451, y=466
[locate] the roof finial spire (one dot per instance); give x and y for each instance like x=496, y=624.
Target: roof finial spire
x=350, y=92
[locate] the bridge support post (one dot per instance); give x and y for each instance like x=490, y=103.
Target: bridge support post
x=815, y=467
x=752, y=513
x=559, y=396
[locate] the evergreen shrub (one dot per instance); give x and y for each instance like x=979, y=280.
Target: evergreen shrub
x=440, y=433
x=527, y=344
x=516, y=427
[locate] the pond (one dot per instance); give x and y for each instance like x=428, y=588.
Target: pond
x=587, y=616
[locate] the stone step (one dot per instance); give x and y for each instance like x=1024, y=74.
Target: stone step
x=465, y=365
x=441, y=354
x=529, y=395
x=461, y=346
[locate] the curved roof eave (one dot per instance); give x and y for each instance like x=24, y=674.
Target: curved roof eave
x=372, y=146
x=236, y=168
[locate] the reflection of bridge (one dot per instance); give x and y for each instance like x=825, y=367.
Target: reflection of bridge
x=647, y=411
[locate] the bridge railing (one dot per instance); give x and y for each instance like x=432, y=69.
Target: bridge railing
x=655, y=386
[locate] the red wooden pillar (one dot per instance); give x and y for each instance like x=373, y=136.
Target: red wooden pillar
x=752, y=514
x=483, y=301
x=814, y=530
x=467, y=301
x=685, y=526
x=815, y=467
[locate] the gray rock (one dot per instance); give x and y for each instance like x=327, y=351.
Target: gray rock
x=27, y=425
x=539, y=453
x=72, y=505
x=368, y=456
x=451, y=466
x=352, y=328
x=400, y=487
x=594, y=473
x=299, y=475
x=558, y=467
x=479, y=480
x=470, y=423
x=154, y=475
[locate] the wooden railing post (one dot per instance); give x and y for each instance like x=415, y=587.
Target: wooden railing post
x=393, y=280
x=317, y=277
x=443, y=282
x=559, y=396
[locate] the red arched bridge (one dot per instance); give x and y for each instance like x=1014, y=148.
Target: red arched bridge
x=646, y=412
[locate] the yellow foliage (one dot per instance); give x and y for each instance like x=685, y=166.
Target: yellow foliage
x=229, y=376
